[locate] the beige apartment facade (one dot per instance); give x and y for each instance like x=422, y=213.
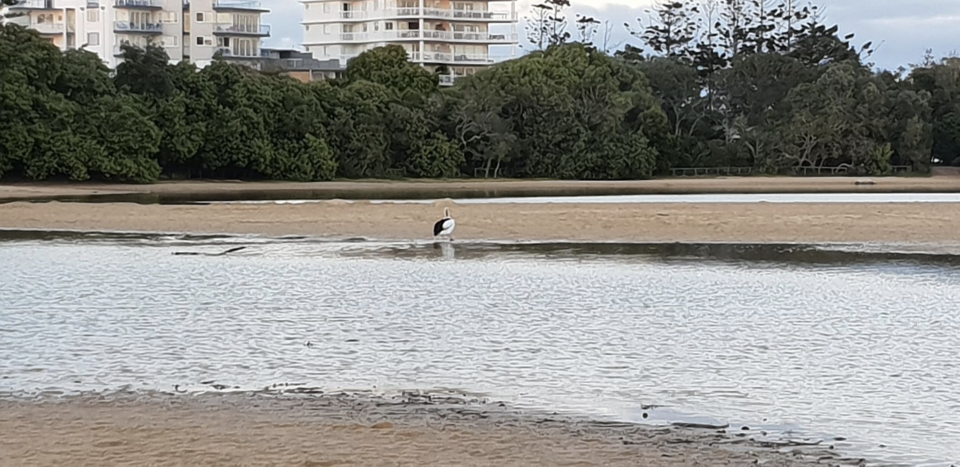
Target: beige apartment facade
x=191, y=30
x=456, y=37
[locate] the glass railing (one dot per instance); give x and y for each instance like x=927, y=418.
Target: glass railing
x=238, y=4
x=49, y=28
x=230, y=53
x=34, y=4
x=450, y=57
x=137, y=4
x=464, y=36
x=415, y=12
x=124, y=26
x=252, y=29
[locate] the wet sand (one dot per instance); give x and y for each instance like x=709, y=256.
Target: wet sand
x=904, y=223
x=356, y=429
x=945, y=180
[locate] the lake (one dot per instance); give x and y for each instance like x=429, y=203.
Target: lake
x=789, y=340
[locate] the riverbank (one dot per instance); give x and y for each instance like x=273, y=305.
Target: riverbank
x=901, y=223
x=357, y=429
x=949, y=181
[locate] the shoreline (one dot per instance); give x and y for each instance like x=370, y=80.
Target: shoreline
x=310, y=427
x=486, y=187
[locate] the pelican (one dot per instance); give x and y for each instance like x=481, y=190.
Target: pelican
x=445, y=226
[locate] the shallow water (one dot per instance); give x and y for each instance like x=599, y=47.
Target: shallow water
x=823, y=343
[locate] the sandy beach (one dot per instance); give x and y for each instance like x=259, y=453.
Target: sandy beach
x=758, y=222
x=761, y=222
x=358, y=429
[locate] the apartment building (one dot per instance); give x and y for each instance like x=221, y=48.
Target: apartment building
x=191, y=30
x=457, y=37
x=300, y=65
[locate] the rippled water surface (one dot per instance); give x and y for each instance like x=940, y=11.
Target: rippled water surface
x=837, y=346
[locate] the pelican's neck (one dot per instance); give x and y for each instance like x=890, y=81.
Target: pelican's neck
x=446, y=212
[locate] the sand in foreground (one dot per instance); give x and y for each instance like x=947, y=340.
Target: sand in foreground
x=906, y=223
x=328, y=430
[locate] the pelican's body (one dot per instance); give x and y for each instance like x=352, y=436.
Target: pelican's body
x=444, y=227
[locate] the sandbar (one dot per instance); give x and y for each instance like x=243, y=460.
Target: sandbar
x=358, y=429
x=901, y=223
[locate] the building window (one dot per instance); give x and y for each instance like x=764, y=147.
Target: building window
x=244, y=48
x=199, y=16
x=170, y=41
x=169, y=17
x=388, y=26
x=93, y=16
x=199, y=40
x=93, y=38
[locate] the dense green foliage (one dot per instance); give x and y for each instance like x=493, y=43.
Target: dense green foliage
x=766, y=85
x=749, y=84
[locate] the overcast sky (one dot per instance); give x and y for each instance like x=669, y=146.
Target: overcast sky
x=901, y=30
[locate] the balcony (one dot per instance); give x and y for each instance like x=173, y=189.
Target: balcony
x=463, y=36
x=221, y=5
x=379, y=36
x=33, y=5
x=138, y=4
x=454, y=59
x=227, y=52
x=50, y=29
x=124, y=27
x=430, y=35
x=473, y=15
x=224, y=29
x=426, y=13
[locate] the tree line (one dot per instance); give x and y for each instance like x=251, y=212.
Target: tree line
x=739, y=83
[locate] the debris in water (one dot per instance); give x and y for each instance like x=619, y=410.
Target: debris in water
x=194, y=253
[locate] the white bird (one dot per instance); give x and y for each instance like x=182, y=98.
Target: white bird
x=445, y=226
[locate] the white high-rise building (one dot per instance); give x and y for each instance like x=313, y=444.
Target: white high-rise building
x=191, y=30
x=458, y=37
